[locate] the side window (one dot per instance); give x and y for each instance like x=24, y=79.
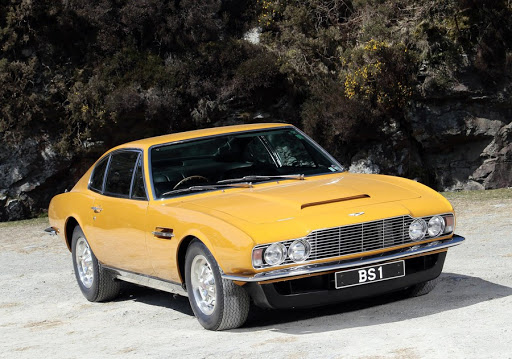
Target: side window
x=138, y=190
x=120, y=173
x=98, y=173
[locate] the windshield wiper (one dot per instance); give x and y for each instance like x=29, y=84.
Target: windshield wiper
x=299, y=177
x=208, y=187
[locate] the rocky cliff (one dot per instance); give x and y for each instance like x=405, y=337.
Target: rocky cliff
x=420, y=89
x=462, y=141
x=458, y=141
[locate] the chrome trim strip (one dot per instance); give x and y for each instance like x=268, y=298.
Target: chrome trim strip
x=148, y=281
x=325, y=267
x=166, y=235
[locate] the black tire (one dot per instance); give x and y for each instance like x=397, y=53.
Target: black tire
x=423, y=288
x=232, y=302
x=103, y=287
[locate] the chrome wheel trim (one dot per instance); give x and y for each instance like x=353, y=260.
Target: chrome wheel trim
x=203, y=284
x=83, y=260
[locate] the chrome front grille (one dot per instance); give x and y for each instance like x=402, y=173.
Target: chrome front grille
x=358, y=238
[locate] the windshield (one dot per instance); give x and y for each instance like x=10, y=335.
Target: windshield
x=249, y=156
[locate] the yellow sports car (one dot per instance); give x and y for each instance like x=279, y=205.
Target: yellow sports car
x=253, y=213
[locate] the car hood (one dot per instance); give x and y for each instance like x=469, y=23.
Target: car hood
x=299, y=200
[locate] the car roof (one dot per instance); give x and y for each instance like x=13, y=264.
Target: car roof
x=181, y=136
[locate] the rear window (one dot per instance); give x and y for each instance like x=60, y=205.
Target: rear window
x=98, y=174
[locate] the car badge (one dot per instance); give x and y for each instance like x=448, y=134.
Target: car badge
x=356, y=214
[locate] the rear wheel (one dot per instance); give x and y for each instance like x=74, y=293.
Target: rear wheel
x=96, y=283
x=218, y=304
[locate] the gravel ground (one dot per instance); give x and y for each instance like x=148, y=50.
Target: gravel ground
x=468, y=315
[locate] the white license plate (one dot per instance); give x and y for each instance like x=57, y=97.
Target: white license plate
x=371, y=274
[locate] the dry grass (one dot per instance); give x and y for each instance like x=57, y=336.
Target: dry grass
x=39, y=221
x=504, y=193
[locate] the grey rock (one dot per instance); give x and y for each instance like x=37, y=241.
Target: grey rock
x=364, y=166
x=27, y=177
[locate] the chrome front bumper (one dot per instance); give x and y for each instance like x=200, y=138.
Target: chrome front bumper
x=343, y=264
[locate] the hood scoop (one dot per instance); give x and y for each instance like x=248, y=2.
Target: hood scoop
x=343, y=199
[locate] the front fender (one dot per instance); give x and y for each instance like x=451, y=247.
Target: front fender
x=230, y=246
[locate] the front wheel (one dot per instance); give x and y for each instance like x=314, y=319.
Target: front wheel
x=96, y=283
x=218, y=304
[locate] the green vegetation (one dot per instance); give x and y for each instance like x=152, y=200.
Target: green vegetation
x=112, y=71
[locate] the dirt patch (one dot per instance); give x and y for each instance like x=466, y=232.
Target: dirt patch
x=45, y=324
x=43, y=313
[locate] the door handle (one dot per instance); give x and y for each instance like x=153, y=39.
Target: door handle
x=97, y=209
x=163, y=232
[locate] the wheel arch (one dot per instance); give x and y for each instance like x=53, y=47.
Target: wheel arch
x=181, y=254
x=182, y=251
x=69, y=227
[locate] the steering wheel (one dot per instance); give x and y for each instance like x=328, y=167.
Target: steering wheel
x=191, y=178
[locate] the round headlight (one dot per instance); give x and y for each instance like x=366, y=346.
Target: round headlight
x=435, y=226
x=417, y=229
x=299, y=250
x=275, y=254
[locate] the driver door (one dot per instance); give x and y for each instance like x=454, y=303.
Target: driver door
x=120, y=214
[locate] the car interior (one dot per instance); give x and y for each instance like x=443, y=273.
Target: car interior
x=205, y=162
